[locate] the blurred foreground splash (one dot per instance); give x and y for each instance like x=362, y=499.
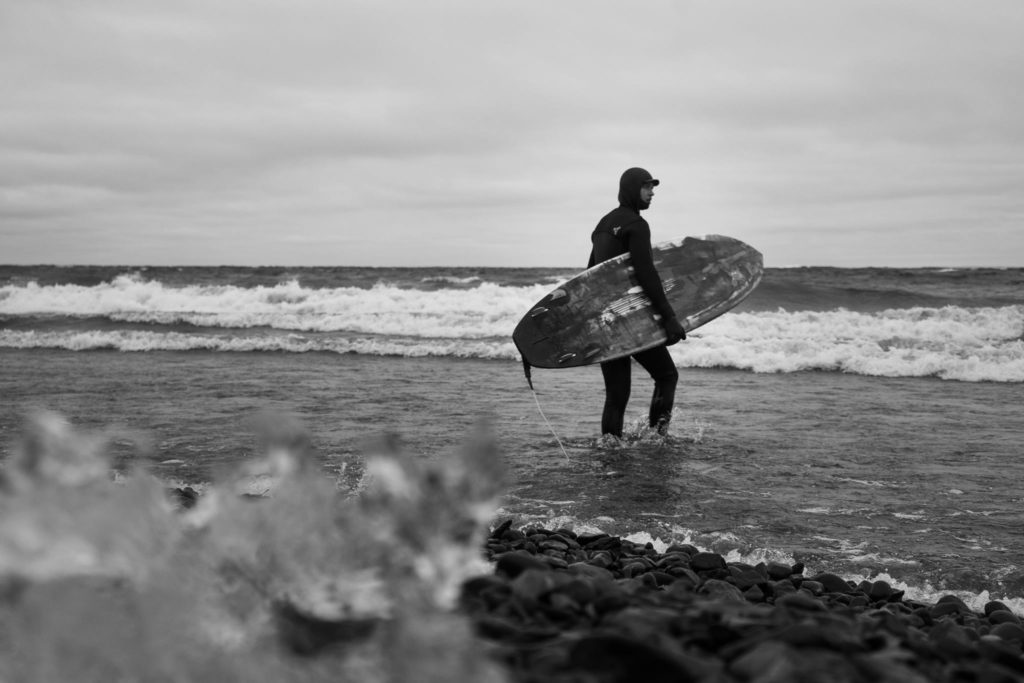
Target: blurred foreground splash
x=107, y=579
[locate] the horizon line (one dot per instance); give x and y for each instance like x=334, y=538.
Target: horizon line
x=493, y=267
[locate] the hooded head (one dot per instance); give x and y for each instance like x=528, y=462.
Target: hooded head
x=630, y=184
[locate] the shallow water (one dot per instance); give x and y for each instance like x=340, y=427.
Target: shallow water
x=916, y=479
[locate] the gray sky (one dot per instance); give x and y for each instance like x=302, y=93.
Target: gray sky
x=477, y=132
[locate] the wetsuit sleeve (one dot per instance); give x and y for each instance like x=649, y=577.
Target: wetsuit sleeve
x=646, y=273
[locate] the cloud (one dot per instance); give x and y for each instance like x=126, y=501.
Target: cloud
x=427, y=132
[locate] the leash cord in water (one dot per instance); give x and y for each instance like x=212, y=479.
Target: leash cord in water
x=529, y=380
x=539, y=410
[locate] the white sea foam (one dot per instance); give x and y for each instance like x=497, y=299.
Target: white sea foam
x=452, y=280
x=956, y=343
x=927, y=593
x=923, y=592
x=485, y=311
x=968, y=344
x=815, y=511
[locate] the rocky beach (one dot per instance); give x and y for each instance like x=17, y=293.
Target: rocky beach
x=413, y=578
x=596, y=608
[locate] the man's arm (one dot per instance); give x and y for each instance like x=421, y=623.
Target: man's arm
x=647, y=275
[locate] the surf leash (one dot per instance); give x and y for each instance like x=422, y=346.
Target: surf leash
x=529, y=380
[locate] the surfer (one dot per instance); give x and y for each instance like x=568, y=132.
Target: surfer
x=622, y=231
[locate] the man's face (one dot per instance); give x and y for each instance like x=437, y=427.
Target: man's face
x=646, y=195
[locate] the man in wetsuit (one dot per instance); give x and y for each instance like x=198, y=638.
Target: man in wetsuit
x=624, y=231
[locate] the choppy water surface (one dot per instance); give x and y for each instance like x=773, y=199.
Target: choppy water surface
x=965, y=325
x=916, y=479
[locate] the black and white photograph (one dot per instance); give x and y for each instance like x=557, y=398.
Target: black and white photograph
x=494, y=342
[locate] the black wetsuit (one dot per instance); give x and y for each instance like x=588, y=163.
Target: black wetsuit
x=623, y=230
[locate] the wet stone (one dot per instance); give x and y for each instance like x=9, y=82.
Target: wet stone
x=601, y=558
x=722, y=590
x=833, y=583
x=1006, y=653
x=952, y=639
x=581, y=590
x=1003, y=616
x=616, y=658
x=611, y=602
x=953, y=600
x=568, y=540
x=604, y=543
x=800, y=601
x=859, y=602
x=587, y=539
x=563, y=604
x=767, y=661
x=1008, y=631
x=648, y=580
x=514, y=563
x=513, y=535
x=661, y=578
x=673, y=560
x=684, y=548
x=705, y=562
x=642, y=622
x=745, y=576
x=634, y=569
x=694, y=617
x=590, y=570
x=553, y=545
x=778, y=571
x=685, y=573
x=944, y=609
x=556, y=562
x=995, y=606
x=900, y=610
x=501, y=529
x=782, y=588
x=879, y=590
x=533, y=583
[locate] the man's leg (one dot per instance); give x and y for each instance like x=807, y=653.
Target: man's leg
x=658, y=363
x=616, y=395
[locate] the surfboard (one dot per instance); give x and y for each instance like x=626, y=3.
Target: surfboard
x=602, y=313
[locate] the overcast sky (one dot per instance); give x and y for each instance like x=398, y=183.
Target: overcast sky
x=480, y=132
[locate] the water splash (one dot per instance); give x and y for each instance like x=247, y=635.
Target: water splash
x=105, y=580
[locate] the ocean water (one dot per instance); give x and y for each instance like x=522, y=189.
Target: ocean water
x=863, y=421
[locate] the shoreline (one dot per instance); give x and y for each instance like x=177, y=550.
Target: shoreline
x=560, y=605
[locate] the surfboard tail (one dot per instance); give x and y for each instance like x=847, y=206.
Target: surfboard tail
x=526, y=364
x=526, y=371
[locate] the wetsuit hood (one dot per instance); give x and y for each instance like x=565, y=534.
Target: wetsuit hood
x=629, y=188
